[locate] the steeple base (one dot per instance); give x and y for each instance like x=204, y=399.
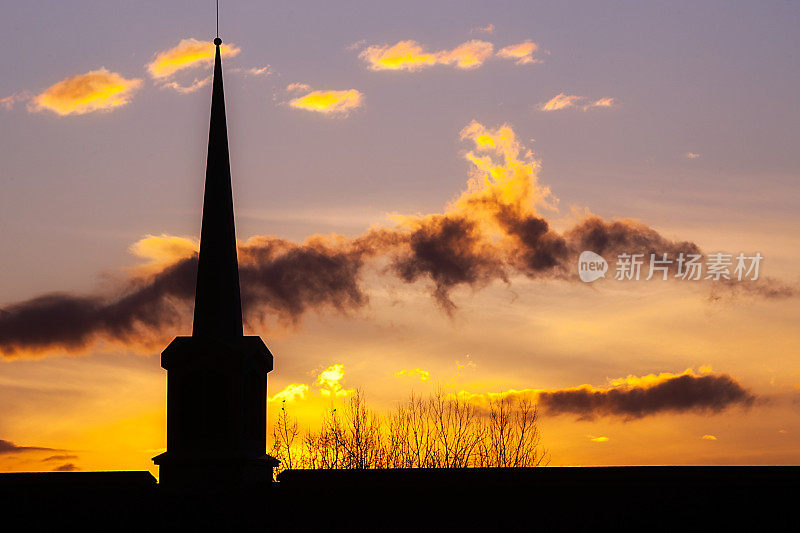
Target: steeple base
x=216, y=413
x=209, y=472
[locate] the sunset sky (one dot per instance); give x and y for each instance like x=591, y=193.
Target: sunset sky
x=412, y=182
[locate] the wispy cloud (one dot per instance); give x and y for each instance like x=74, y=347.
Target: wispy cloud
x=333, y=103
x=692, y=155
x=571, y=101
x=63, y=457
x=187, y=54
x=10, y=101
x=560, y=101
x=259, y=71
x=66, y=467
x=97, y=90
x=521, y=53
x=297, y=86
x=7, y=446
x=411, y=56
x=603, y=102
x=186, y=89
x=489, y=29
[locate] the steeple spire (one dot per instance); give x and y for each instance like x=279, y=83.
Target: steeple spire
x=218, y=305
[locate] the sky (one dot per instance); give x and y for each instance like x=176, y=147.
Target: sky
x=413, y=185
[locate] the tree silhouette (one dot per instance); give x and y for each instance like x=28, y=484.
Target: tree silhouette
x=440, y=431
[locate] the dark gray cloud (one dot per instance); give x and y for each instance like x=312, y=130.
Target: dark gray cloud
x=284, y=279
x=66, y=467
x=7, y=446
x=707, y=393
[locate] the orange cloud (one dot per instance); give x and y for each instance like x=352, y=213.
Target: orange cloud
x=521, y=53
x=329, y=102
x=411, y=56
x=604, y=102
x=98, y=90
x=189, y=53
x=560, y=101
x=566, y=101
x=598, y=439
x=468, y=55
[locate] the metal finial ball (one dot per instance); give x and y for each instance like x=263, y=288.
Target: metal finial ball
x=218, y=41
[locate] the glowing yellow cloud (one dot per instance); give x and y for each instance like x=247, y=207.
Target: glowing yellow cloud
x=652, y=379
x=405, y=55
x=598, y=439
x=329, y=102
x=510, y=181
x=98, y=90
x=328, y=381
x=164, y=249
x=187, y=54
x=521, y=53
x=293, y=391
x=423, y=375
x=411, y=56
x=708, y=437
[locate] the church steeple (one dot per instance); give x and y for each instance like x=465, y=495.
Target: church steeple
x=218, y=305
x=217, y=378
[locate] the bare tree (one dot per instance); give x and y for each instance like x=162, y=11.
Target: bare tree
x=284, y=433
x=512, y=436
x=441, y=431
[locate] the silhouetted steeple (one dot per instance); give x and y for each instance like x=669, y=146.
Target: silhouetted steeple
x=218, y=305
x=217, y=378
